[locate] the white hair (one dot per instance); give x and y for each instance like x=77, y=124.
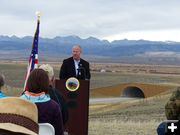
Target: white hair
x=48, y=69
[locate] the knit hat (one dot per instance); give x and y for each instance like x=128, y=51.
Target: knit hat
x=18, y=115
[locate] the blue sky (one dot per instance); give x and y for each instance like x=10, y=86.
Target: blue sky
x=157, y=20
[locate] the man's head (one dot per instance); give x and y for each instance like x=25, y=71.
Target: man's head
x=2, y=80
x=18, y=116
x=76, y=52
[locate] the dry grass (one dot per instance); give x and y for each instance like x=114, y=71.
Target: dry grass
x=15, y=73
x=117, y=127
x=99, y=79
x=139, y=117
x=12, y=91
x=136, y=68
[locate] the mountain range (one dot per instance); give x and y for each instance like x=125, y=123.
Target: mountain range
x=14, y=46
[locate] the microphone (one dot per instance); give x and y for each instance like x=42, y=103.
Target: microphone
x=80, y=69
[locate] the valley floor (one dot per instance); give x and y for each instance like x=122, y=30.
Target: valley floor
x=129, y=117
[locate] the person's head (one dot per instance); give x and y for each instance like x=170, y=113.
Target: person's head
x=2, y=80
x=18, y=117
x=38, y=81
x=76, y=52
x=50, y=71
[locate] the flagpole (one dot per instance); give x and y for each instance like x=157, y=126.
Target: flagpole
x=33, y=60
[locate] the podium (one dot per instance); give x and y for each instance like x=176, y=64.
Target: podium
x=78, y=107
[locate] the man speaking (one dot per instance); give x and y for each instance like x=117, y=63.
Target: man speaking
x=75, y=66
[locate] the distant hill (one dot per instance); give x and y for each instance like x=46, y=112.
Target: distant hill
x=15, y=47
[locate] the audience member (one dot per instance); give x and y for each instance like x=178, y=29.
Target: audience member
x=37, y=92
x=54, y=93
x=18, y=117
x=2, y=81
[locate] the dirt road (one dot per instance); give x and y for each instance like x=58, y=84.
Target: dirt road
x=109, y=100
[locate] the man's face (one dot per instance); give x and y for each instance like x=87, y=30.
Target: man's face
x=76, y=52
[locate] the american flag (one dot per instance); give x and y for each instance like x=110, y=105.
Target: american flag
x=33, y=60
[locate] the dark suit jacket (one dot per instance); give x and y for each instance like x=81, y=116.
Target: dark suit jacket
x=59, y=98
x=67, y=69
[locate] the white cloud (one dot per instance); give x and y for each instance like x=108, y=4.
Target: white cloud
x=98, y=18
x=153, y=35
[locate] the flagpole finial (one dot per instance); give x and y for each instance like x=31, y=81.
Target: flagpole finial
x=38, y=13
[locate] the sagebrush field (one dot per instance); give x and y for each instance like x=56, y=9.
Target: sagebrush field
x=139, y=117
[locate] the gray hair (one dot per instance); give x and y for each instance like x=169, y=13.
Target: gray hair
x=2, y=80
x=48, y=69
